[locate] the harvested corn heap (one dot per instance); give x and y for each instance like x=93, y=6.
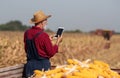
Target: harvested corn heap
x=78, y=69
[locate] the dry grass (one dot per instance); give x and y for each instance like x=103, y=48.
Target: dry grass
x=74, y=45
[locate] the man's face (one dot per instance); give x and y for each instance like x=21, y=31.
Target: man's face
x=44, y=24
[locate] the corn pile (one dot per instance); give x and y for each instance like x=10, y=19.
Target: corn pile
x=78, y=69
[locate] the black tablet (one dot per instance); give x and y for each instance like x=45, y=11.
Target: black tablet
x=59, y=31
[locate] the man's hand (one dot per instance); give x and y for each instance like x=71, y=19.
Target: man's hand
x=59, y=40
x=51, y=37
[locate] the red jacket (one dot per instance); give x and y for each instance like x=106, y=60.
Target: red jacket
x=42, y=42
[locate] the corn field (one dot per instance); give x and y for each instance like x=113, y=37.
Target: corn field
x=74, y=46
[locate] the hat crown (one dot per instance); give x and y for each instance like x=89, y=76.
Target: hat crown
x=39, y=16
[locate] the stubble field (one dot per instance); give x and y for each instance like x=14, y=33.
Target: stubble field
x=74, y=45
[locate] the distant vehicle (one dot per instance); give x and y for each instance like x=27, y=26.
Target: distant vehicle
x=107, y=34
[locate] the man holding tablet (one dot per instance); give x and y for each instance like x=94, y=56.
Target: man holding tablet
x=38, y=46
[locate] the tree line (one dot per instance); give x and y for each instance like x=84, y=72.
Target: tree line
x=18, y=26
x=13, y=26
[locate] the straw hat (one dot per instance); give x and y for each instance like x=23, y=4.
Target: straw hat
x=39, y=16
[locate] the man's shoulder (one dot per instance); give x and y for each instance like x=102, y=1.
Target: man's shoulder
x=44, y=34
x=27, y=30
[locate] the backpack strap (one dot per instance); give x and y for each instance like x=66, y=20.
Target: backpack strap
x=26, y=33
x=36, y=35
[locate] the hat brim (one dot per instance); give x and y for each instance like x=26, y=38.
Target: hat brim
x=33, y=22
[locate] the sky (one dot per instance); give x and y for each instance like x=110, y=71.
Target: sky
x=85, y=15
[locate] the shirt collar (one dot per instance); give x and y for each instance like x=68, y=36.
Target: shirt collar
x=35, y=27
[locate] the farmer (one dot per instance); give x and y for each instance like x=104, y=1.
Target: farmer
x=107, y=35
x=38, y=46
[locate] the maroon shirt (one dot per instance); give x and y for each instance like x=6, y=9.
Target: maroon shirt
x=42, y=42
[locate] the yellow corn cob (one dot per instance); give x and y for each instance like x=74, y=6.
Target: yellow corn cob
x=70, y=61
x=49, y=72
x=101, y=64
x=58, y=75
x=70, y=76
x=38, y=73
